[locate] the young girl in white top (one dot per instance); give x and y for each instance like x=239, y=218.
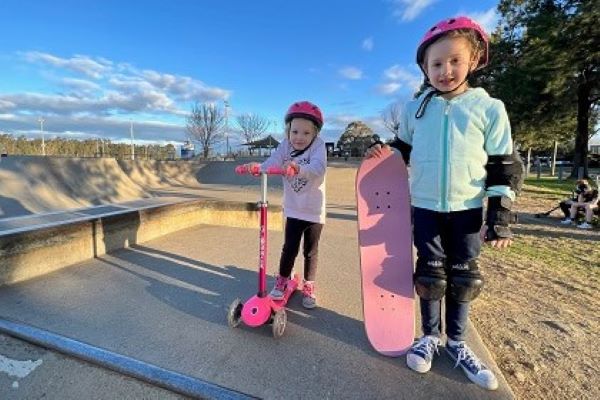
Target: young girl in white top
x=303, y=195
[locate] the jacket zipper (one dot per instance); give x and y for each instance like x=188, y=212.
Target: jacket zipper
x=445, y=165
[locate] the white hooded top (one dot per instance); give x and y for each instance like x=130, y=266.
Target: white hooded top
x=303, y=194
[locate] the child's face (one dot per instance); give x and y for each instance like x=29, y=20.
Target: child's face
x=447, y=62
x=302, y=132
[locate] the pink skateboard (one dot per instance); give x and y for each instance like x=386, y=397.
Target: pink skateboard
x=386, y=261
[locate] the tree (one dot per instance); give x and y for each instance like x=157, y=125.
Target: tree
x=356, y=138
x=205, y=125
x=544, y=65
x=252, y=126
x=391, y=118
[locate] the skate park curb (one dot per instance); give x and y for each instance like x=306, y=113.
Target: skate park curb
x=152, y=374
x=29, y=252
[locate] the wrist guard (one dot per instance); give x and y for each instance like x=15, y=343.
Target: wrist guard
x=499, y=217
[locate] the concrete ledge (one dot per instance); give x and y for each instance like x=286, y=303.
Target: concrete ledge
x=30, y=254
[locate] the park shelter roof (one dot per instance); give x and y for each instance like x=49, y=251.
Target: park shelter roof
x=268, y=142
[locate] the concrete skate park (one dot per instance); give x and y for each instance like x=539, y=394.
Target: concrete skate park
x=116, y=277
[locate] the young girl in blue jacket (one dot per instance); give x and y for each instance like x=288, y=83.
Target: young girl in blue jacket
x=461, y=151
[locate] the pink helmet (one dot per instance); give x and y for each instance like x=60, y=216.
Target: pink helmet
x=307, y=110
x=453, y=24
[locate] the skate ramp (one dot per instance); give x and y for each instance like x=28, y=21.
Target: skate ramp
x=158, y=174
x=33, y=185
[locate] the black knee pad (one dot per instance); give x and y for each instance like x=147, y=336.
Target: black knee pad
x=465, y=281
x=430, y=279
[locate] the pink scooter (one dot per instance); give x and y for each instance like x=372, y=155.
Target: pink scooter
x=261, y=308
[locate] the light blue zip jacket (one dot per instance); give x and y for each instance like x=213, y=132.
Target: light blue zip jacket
x=450, y=148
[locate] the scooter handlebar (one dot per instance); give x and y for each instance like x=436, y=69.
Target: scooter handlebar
x=255, y=170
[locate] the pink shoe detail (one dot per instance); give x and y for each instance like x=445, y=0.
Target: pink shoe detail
x=309, y=299
x=280, y=285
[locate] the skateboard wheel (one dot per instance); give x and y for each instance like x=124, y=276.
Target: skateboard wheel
x=279, y=322
x=234, y=314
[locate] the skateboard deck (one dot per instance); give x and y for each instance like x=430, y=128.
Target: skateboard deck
x=386, y=253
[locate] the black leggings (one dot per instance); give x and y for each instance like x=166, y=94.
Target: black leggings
x=294, y=230
x=565, y=207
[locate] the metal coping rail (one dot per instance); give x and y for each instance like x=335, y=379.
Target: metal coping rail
x=83, y=216
x=164, y=378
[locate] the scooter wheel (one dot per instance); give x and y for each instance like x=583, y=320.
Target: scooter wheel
x=234, y=314
x=279, y=321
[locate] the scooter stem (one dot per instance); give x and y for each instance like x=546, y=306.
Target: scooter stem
x=262, y=271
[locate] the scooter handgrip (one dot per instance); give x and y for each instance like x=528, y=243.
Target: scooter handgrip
x=243, y=169
x=289, y=171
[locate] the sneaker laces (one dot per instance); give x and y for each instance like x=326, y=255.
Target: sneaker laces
x=428, y=345
x=466, y=354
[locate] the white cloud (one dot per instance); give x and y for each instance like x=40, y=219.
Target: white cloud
x=388, y=88
x=82, y=64
x=408, y=10
x=351, y=73
x=80, y=85
x=367, y=44
x=6, y=104
x=487, y=19
x=118, y=90
x=397, y=77
x=93, y=127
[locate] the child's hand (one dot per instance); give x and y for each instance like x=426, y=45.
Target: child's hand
x=253, y=168
x=377, y=151
x=293, y=165
x=499, y=243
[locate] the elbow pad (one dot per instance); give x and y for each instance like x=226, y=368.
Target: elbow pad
x=505, y=170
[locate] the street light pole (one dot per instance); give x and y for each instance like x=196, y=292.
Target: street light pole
x=226, y=128
x=41, y=120
x=131, y=134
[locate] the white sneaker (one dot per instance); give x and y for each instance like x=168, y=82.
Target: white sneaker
x=584, y=225
x=421, y=353
x=566, y=221
x=475, y=370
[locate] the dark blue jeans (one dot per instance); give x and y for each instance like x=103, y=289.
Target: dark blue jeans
x=451, y=237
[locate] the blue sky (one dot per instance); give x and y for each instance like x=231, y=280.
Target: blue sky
x=90, y=67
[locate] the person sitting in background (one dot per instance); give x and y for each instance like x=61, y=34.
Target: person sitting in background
x=588, y=201
x=565, y=205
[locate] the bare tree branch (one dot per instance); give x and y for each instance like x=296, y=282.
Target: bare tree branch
x=205, y=125
x=391, y=117
x=252, y=126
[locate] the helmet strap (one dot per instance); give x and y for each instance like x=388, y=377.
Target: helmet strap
x=297, y=153
x=434, y=92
